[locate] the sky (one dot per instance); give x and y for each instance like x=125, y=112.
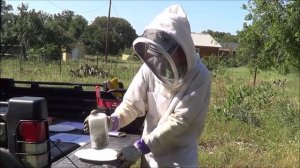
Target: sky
x=217, y=15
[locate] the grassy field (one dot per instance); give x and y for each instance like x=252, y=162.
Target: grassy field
x=246, y=126
x=252, y=126
x=75, y=71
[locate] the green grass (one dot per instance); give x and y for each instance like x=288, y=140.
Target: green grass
x=229, y=142
x=243, y=75
x=35, y=70
x=225, y=141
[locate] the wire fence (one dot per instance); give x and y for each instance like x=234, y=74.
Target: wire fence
x=88, y=69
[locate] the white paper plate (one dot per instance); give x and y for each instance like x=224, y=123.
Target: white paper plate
x=101, y=155
x=61, y=128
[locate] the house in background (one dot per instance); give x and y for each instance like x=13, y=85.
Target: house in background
x=205, y=44
x=77, y=51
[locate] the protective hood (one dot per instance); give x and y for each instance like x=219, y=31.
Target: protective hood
x=167, y=48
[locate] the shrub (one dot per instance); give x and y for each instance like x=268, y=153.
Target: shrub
x=49, y=52
x=212, y=62
x=88, y=70
x=252, y=105
x=246, y=103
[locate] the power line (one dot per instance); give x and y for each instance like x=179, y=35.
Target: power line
x=94, y=10
x=78, y=12
x=115, y=10
x=55, y=5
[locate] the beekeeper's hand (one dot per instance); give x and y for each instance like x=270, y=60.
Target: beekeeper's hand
x=112, y=122
x=86, y=121
x=130, y=154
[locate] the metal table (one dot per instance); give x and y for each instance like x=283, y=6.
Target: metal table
x=115, y=143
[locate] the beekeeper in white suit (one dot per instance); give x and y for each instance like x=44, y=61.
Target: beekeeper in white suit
x=172, y=88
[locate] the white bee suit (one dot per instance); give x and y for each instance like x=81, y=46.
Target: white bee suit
x=175, y=113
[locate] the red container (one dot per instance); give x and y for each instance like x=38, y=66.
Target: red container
x=106, y=100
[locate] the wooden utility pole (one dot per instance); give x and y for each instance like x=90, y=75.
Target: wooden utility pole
x=107, y=30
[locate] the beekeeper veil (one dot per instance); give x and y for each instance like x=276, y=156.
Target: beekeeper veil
x=162, y=53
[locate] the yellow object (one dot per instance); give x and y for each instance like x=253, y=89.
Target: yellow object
x=65, y=56
x=125, y=57
x=114, y=84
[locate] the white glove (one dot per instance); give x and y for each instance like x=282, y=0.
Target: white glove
x=112, y=122
x=130, y=154
x=86, y=121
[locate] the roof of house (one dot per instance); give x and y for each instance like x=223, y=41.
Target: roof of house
x=204, y=39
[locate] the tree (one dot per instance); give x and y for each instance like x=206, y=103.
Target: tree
x=121, y=35
x=94, y=39
x=222, y=36
x=22, y=29
x=8, y=36
x=77, y=27
x=65, y=29
x=58, y=26
x=272, y=32
x=36, y=33
x=5, y=7
x=40, y=33
x=25, y=29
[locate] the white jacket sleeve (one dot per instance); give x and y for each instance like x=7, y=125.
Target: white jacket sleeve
x=134, y=101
